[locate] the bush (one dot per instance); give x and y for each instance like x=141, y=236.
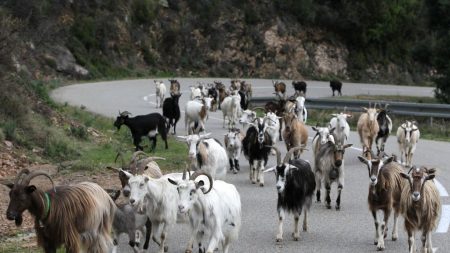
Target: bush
x=59, y=149
x=143, y=11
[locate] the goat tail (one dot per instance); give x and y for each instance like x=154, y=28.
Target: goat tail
x=162, y=128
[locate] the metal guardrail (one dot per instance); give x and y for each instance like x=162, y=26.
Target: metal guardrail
x=398, y=108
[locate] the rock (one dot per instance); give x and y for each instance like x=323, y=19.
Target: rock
x=8, y=144
x=65, y=62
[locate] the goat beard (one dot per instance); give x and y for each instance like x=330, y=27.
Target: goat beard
x=18, y=220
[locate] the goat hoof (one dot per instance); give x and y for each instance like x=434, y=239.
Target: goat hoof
x=338, y=208
x=253, y=182
x=380, y=247
x=279, y=239
x=261, y=184
x=295, y=236
x=394, y=237
x=166, y=248
x=188, y=251
x=328, y=206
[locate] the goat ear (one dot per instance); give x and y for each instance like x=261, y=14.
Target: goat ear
x=431, y=170
x=314, y=128
x=430, y=177
x=404, y=175
x=332, y=130
x=31, y=189
x=362, y=159
x=334, y=114
x=390, y=159
x=172, y=181
x=349, y=116
x=347, y=146
x=270, y=169
x=9, y=185
x=181, y=138
x=365, y=108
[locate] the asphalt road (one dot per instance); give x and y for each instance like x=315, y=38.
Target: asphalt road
x=349, y=230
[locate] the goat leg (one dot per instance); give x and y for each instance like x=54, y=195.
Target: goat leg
x=296, y=233
x=327, y=198
x=280, y=225
x=375, y=221
x=236, y=164
x=338, y=200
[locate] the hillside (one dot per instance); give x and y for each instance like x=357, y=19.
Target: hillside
x=270, y=39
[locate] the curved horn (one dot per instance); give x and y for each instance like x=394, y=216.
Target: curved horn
x=121, y=158
x=156, y=158
x=199, y=173
x=137, y=154
x=19, y=176
x=412, y=167
x=34, y=174
x=125, y=113
x=291, y=151
x=184, y=175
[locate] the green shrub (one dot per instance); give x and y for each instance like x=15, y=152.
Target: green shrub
x=58, y=148
x=79, y=132
x=9, y=129
x=143, y=11
x=2, y=135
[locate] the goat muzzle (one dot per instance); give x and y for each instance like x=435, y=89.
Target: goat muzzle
x=338, y=163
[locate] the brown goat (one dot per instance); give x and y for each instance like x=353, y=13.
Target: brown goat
x=77, y=216
x=280, y=89
x=385, y=190
x=295, y=134
x=222, y=91
x=420, y=205
x=174, y=87
x=368, y=130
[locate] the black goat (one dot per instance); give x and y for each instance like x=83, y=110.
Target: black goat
x=143, y=125
x=295, y=186
x=244, y=100
x=336, y=85
x=299, y=87
x=256, y=145
x=212, y=92
x=171, y=110
x=385, y=124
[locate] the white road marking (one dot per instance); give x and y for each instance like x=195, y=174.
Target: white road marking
x=441, y=188
x=444, y=222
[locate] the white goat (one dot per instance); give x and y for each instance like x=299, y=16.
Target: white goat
x=159, y=200
x=247, y=117
x=231, y=109
x=207, y=154
x=195, y=92
x=300, y=109
x=323, y=135
x=341, y=128
x=233, y=146
x=408, y=135
x=215, y=214
x=273, y=128
x=160, y=93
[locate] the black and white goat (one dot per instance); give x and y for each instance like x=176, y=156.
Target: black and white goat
x=143, y=125
x=385, y=128
x=295, y=185
x=207, y=154
x=256, y=145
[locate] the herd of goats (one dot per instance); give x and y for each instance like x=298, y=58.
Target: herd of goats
x=211, y=205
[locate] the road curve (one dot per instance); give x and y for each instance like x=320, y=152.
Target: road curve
x=348, y=230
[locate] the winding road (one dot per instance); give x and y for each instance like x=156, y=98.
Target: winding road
x=349, y=230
